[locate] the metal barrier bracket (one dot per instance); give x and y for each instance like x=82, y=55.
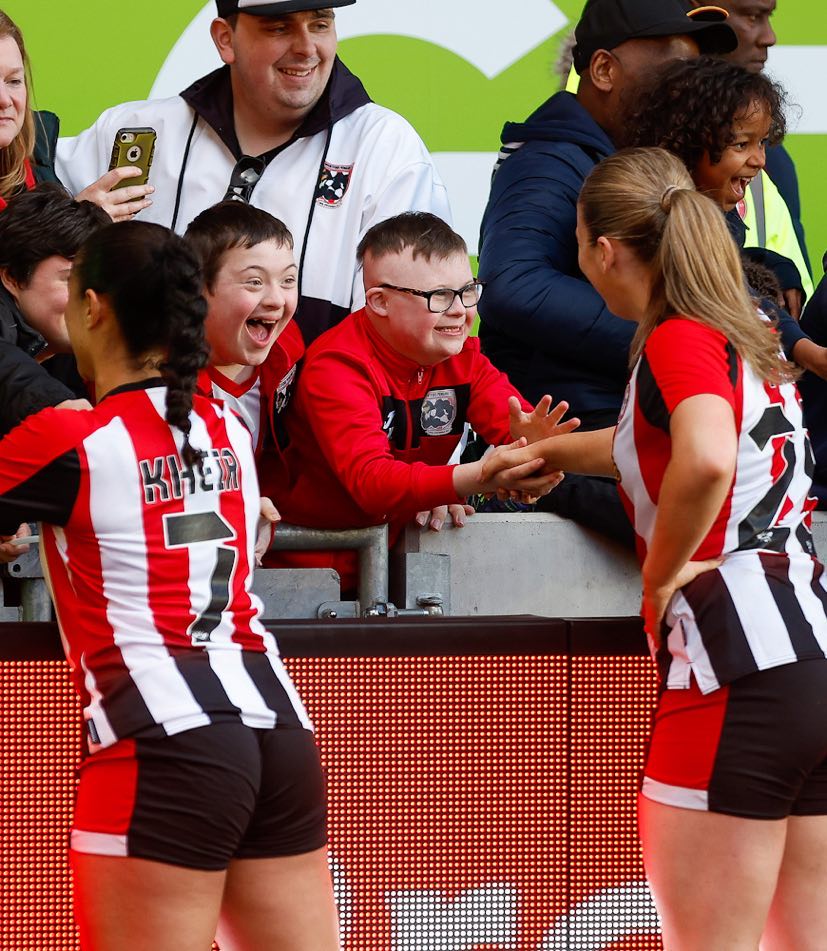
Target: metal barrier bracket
x=331, y=610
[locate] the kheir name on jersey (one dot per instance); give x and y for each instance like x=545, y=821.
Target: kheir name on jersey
x=164, y=477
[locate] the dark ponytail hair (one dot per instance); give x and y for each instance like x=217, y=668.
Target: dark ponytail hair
x=153, y=282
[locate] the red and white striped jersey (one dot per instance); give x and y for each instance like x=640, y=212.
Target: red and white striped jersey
x=244, y=398
x=767, y=604
x=150, y=563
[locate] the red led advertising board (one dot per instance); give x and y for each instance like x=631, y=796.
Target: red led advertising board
x=477, y=803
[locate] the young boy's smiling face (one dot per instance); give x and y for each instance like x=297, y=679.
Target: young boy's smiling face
x=404, y=319
x=253, y=296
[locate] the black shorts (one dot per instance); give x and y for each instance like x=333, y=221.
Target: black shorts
x=756, y=748
x=203, y=797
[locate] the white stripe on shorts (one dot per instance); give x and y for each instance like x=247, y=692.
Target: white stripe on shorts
x=680, y=796
x=98, y=843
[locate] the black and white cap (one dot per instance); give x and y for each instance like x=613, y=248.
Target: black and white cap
x=275, y=8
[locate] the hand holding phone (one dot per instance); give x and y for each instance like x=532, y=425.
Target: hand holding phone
x=133, y=148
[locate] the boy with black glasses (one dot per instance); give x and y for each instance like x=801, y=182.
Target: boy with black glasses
x=386, y=399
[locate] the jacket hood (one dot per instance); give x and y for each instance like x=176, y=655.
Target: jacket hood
x=212, y=98
x=560, y=119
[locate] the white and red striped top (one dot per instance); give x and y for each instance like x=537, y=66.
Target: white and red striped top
x=150, y=563
x=767, y=604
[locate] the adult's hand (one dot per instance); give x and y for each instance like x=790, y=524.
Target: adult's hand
x=655, y=600
x=516, y=469
x=121, y=204
x=8, y=550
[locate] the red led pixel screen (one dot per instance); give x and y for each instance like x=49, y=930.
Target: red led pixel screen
x=478, y=803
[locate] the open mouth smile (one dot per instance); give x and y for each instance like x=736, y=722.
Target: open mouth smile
x=261, y=329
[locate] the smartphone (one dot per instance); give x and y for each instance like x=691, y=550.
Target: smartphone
x=133, y=147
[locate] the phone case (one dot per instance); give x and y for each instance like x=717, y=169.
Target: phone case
x=133, y=147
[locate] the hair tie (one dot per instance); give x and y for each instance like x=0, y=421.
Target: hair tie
x=666, y=198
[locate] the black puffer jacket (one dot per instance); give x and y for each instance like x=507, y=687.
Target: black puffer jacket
x=27, y=386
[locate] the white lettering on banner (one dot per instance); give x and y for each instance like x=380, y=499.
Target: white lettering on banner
x=480, y=917
x=489, y=917
x=476, y=30
x=343, y=896
x=604, y=918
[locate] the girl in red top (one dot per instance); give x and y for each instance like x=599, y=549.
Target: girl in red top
x=201, y=803
x=714, y=466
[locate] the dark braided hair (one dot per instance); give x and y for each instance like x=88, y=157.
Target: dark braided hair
x=691, y=106
x=153, y=282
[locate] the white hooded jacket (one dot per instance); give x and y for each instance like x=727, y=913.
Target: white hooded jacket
x=350, y=165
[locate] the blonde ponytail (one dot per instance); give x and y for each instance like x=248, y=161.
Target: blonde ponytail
x=645, y=198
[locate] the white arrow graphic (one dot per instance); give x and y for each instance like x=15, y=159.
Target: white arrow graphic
x=796, y=67
x=477, y=30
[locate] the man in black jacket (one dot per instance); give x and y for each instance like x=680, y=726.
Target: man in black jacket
x=541, y=320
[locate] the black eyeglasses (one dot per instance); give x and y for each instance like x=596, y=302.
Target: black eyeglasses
x=442, y=298
x=244, y=178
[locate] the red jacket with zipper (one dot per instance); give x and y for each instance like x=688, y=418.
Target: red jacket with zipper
x=371, y=433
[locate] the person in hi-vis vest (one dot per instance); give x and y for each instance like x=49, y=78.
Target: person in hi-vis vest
x=771, y=210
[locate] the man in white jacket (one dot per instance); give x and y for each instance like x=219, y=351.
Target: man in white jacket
x=285, y=126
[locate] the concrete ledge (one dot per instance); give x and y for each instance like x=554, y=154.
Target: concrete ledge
x=532, y=563
x=536, y=563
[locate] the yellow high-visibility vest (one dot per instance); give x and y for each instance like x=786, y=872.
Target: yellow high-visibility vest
x=770, y=225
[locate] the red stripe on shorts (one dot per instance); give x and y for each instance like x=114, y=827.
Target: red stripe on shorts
x=106, y=793
x=685, y=737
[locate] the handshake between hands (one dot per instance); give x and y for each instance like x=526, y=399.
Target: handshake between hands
x=518, y=470
x=521, y=466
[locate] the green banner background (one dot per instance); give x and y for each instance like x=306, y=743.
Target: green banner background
x=87, y=56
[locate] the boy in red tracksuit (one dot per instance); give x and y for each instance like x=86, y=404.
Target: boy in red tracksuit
x=251, y=287
x=387, y=397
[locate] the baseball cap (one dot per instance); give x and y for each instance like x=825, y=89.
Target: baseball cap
x=605, y=24
x=275, y=8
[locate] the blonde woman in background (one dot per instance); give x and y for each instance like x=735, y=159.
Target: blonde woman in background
x=28, y=138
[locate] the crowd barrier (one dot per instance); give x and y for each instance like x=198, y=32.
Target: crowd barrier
x=496, y=565
x=482, y=776
x=499, y=565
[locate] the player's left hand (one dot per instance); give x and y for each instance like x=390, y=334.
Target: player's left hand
x=656, y=599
